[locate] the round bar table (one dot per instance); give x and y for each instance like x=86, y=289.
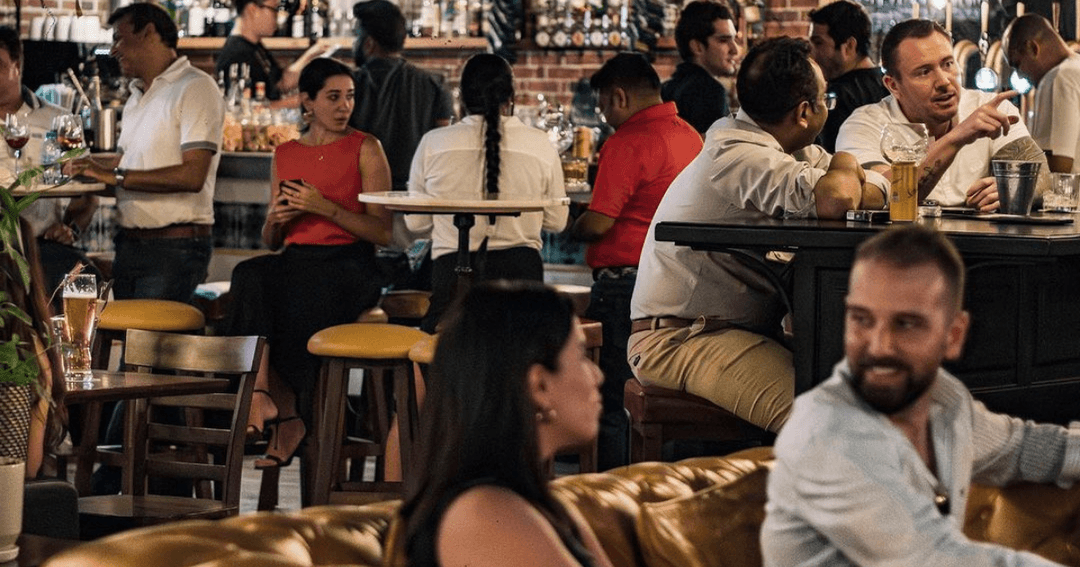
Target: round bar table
x=464, y=211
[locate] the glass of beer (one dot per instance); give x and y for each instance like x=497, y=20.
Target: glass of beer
x=81, y=315
x=904, y=145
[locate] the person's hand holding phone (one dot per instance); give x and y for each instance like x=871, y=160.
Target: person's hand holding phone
x=281, y=210
x=296, y=194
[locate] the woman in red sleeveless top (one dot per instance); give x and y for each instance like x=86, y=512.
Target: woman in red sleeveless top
x=326, y=274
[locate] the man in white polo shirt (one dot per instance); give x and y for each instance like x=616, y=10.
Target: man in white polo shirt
x=164, y=176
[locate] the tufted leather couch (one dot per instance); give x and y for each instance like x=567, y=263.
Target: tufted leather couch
x=702, y=512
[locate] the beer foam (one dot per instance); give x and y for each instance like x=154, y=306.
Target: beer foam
x=80, y=294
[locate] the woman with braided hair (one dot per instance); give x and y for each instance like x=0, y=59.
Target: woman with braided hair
x=489, y=151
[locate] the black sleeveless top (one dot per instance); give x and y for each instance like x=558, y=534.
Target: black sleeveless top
x=422, y=549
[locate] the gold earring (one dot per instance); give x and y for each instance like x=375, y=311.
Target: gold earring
x=546, y=415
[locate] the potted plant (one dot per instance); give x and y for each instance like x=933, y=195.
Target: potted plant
x=23, y=315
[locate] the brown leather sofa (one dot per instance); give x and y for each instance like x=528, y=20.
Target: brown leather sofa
x=702, y=512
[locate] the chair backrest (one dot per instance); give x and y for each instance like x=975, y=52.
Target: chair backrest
x=217, y=357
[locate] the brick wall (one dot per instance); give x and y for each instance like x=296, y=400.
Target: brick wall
x=551, y=73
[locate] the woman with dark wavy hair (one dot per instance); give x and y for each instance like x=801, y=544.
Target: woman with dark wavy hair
x=510, y=386
x=489, y=151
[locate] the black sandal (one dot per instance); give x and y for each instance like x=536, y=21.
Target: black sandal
x=269, y=461
x=254, y=433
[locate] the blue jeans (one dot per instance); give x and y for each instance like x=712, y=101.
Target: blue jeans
x=167, y=268
x=609, y=303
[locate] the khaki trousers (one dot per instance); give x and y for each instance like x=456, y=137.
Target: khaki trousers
x=745, y=373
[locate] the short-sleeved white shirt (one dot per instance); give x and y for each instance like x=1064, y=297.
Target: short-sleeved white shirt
x=449, y=163
x=1056, y=126
x=181, y=111
x=860, y=135
x=742, y=172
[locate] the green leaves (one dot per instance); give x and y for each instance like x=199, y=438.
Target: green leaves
x=18, y=363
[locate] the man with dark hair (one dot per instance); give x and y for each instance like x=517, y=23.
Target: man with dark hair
x=397, y=103
x=57, y=223
x=968, y=129
x=650, y=146
x=1034, y=48
x=875, y=464
x=256, y=19
x=167, y=163
x=704, y=322
x=707, y=41
x=840, y=45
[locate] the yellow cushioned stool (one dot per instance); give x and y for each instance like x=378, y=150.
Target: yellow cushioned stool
x=382, y=350
x=151, y=315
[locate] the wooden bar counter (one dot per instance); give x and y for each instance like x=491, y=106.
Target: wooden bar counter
x=1023, y=291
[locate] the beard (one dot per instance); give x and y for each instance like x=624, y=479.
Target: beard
x=889, y=400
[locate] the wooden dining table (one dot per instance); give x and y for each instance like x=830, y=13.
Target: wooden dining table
x=108, y=386
x=1022, y=354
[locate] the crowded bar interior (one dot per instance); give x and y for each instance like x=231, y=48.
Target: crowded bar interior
x=623, y=283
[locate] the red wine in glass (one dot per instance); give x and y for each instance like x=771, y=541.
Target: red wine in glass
x=17, y=142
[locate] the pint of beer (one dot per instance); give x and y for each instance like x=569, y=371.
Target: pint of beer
x=81, y=314
x=904, y=197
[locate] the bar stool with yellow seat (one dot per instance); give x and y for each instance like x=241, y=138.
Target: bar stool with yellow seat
x=163, y=315
x=382, y=350
x=116, y=319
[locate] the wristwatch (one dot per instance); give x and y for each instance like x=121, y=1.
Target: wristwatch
x=120, y=173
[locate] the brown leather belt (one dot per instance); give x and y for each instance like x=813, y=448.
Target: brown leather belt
x=647, y=324
x=171, y=231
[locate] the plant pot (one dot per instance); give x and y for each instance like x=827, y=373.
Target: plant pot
x=12, y=472
x=14, y=421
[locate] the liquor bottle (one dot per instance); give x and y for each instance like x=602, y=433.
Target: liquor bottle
x=182, y=9
x=318, y=20
x=262, y=118
x=477, y=19
x=222, y=19
x=208, y=19
x=196, y=24
x=429, y=18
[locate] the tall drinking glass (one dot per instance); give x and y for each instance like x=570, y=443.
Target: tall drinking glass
x=81, y=314
x=904, y=145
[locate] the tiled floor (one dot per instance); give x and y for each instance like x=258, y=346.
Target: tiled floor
x=288, y=486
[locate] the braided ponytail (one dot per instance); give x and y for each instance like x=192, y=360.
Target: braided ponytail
x=487, y=83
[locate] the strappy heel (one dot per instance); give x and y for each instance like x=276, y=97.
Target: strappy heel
x=269, y=461
x=255, y=433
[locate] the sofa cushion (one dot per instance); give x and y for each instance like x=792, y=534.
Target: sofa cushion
x=1040, y=518
x=715, y=527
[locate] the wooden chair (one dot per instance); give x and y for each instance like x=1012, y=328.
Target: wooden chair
x=207, y=450
x=117, y=318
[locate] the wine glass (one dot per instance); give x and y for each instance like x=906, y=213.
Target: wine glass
x=904, y=142
x=69, y=131
x=16, y=135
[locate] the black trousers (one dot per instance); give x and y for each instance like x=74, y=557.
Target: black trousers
x=520, y=263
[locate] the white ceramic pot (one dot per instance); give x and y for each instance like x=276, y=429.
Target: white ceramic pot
x=12, y=473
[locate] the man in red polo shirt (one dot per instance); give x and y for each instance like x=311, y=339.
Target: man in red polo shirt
x=650, y=147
